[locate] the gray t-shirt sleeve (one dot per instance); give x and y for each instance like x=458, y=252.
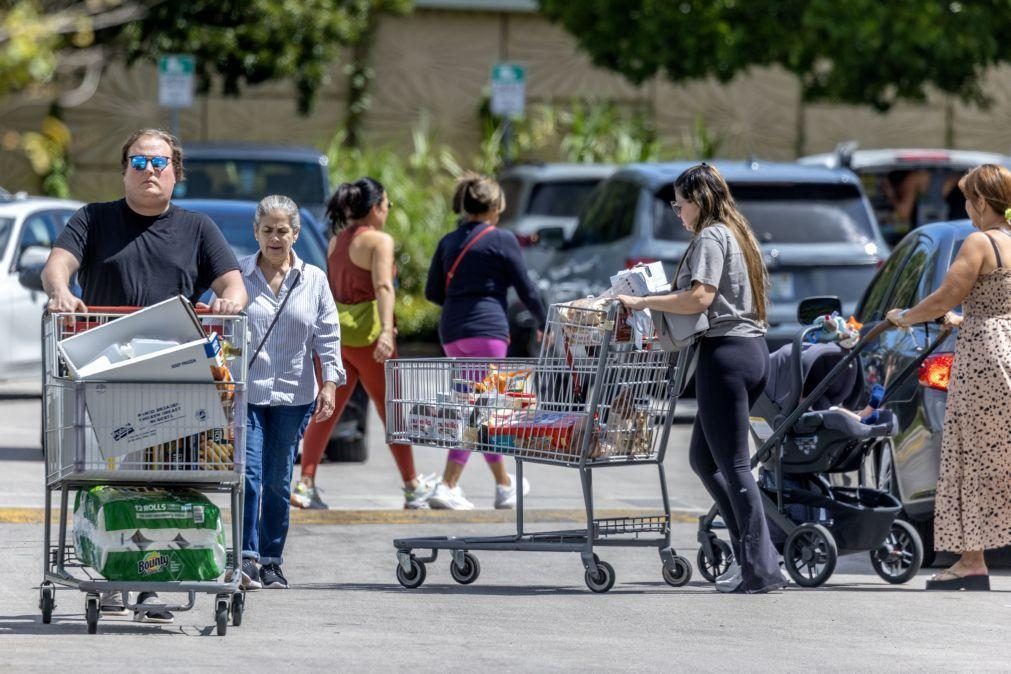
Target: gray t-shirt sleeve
x=707, y=258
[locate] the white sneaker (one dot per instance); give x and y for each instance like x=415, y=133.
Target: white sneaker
x=417, y=498
x=505, y=497
x=444, y=498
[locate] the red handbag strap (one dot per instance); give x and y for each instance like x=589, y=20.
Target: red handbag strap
x=474, y=239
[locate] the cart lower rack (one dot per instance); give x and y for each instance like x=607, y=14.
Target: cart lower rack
x=592, y=399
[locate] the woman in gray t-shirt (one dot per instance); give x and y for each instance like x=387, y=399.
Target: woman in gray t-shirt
x=723, y=275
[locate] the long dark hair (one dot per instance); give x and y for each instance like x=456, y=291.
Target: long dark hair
x=703, y=186
x=353, y=201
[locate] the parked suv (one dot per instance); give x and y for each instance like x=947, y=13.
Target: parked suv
x=909, y=187
x=908, y=466
x=815, y=225
x=28, y=228
x=248, y=172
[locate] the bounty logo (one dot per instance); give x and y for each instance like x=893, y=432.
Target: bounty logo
x=152, y=563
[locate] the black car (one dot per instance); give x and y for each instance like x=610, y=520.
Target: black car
x=908, y=467
x=235, y=219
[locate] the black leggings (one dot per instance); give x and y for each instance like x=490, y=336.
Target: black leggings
x=730, y=376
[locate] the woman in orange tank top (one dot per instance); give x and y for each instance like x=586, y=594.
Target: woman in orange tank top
x=361, y=270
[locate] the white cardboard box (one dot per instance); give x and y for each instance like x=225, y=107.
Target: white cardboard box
x=640, y=280
x=133, y=411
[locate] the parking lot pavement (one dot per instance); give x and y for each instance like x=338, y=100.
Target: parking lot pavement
x=526, y=612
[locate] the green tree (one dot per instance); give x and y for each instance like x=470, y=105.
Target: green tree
x=858, y=51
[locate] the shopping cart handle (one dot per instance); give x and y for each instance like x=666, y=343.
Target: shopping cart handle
x=199, y=310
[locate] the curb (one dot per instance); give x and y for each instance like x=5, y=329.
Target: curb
x=349, y=517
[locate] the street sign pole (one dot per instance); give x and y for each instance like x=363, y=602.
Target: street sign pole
x=175, y=85
x=508, y=100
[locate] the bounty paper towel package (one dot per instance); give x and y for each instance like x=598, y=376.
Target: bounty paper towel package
x=149, y=534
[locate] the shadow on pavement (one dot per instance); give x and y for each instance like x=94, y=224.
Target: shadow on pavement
x=505, y=590
x=74, y=624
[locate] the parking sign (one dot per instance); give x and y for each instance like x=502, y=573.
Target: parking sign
x=175, y=80
x=508, y=90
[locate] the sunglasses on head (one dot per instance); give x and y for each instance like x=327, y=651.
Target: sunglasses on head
x=139, y=162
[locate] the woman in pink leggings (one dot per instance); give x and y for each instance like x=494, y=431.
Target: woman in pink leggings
x=471, y=272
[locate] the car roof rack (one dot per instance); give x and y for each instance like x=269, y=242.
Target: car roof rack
x=844, y=153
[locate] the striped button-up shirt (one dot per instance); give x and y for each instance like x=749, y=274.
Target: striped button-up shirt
x=283, y=372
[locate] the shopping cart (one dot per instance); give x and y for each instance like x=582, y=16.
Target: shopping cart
x=75, y=460
x=591, y=400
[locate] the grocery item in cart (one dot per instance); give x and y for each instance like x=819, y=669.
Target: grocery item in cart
x=149, y=534
x=641, y=280
x=436, y=422
x=627, y=431
x=536, y=432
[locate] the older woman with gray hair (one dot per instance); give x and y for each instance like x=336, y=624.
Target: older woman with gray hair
x=292, y=315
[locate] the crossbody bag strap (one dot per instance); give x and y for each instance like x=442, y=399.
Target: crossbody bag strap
x=277, y=314
x=473, y=239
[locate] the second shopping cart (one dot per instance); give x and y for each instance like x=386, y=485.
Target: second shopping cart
x=598, y=396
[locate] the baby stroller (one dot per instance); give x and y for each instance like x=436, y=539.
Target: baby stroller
x=801, y=442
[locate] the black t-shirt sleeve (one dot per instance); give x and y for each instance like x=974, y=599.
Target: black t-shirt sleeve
x=74, y=237
x=215, y=256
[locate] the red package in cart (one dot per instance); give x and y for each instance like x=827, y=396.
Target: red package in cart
x=540, y=431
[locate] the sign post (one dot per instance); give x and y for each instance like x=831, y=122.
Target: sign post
x=175, y=84
x=508, y=99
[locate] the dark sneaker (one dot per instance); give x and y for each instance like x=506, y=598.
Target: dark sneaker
x=250, y=575
x=272, y=578
x=156, y=614
x=111, y=603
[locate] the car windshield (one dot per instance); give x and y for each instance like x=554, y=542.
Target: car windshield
x=785, y=213
x=250, y=180
x=238, y=230
x=6, y=224
x=560, y=198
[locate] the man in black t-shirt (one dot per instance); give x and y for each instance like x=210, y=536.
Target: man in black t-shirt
x=141, y=250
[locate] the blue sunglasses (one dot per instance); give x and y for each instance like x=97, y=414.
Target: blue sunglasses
x=139, y=162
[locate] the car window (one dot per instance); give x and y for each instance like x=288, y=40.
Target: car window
x=560, y=198
x=786, y=213
x=609, y=214
x=251, y=180
x=908, y=280
x=39, y=229
x=906, y=197
x=512, y=189
x=6, y=224
x=873, y=305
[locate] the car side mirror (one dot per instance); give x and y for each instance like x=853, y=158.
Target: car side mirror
x=811, y=308
x=551, y=237
x=30, y=264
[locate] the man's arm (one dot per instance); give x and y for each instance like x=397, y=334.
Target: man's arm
x=60, y=266
x=229, y=293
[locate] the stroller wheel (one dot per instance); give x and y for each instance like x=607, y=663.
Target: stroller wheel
x=810, y=555
x=723, y=555
x=900, y=555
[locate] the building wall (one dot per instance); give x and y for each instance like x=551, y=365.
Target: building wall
x=436, y=63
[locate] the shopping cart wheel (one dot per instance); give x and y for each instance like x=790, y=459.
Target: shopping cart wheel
x=603, y=580
x=468, y=573
x=221, y=605
x=810, y=555
x=679, y=574
x=711, y=569
x=47, y=601
x=238, y=606
x=91, y=612
x=415, y=577
x=901, y=554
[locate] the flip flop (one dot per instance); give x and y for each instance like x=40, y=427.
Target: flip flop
x=975, y=583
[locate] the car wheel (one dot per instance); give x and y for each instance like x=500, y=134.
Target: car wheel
x=348, y=442
x=347, y=450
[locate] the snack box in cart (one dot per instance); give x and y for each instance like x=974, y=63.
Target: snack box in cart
x=171, y=347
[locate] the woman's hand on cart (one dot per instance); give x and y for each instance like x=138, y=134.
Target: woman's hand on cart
x=221, y=306
x=632, y=302
x=325, y=401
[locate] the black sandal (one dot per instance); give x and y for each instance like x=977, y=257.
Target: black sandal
x=974, y=583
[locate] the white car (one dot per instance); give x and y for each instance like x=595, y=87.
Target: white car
x=28, y=228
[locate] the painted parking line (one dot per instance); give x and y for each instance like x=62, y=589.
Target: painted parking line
x=36, y=516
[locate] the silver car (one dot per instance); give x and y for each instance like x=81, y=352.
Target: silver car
x=815, y=225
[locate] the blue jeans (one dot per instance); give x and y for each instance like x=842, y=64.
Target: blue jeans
x=272, y=435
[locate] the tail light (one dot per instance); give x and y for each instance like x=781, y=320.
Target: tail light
x=935, y=371
x=632, y=261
